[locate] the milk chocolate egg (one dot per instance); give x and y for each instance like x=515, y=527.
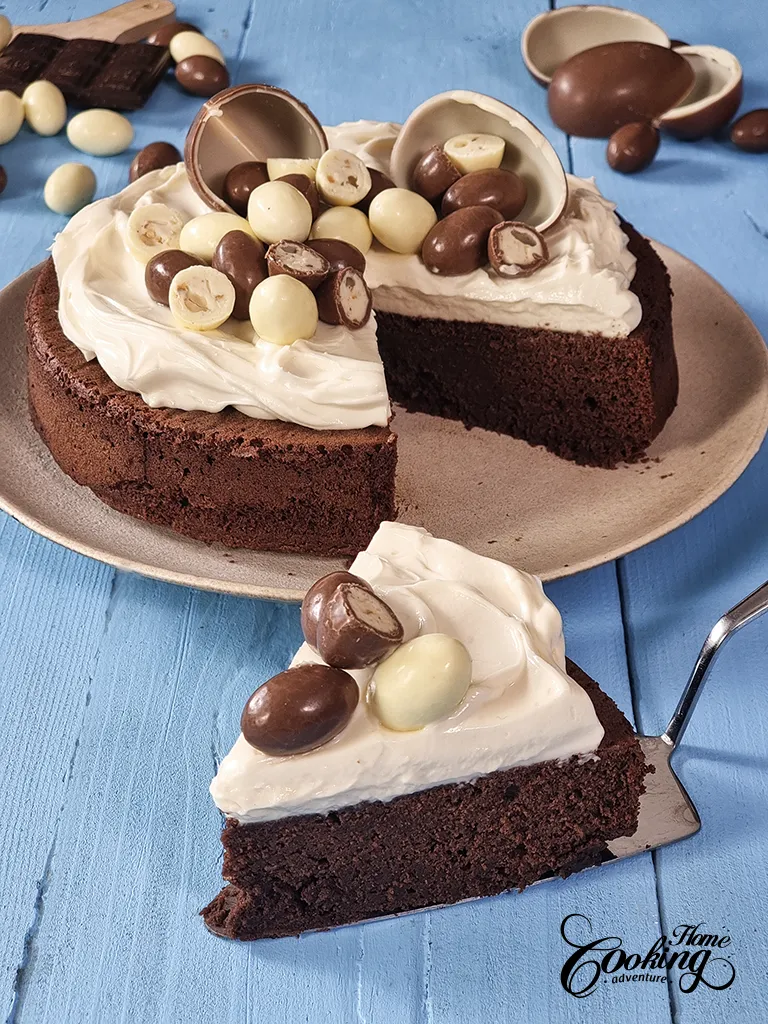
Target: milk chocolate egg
x=607, y=86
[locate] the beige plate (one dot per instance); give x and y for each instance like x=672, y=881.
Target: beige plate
x=493, y=494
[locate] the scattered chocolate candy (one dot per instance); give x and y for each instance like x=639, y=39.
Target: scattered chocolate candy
x=342, y=178
x=458, y=244
x=201, y=298
x=345, y=298
x=100, y=132
x=241, y=181
x=434, y=173
x=345, y=223
x=504, y=190
x=45, y=108
x=307, y=188
x=355, y=628
x=152, y=158
x=339, y=254
x=152, y=229
x=600, y=89
x=299, y=709
x=202, y=234
x=401, y=219
x=241, y=257
x=299, y=261
x=11, y=115
x=632, y=147
x=475, y=151
x=3, y=179
x=516, y=249
x=162, y=36
x=750, y=132
x=194, y=44
x=422, y=681
x=283, y=310
x=201, y=75
x=379, y=183
x=316, y=598
x=277, y=210
x=69, y=188
x=162, y=269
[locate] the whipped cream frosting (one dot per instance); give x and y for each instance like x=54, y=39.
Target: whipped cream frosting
x=333, y=381
x=584, y=287
x=521, y=707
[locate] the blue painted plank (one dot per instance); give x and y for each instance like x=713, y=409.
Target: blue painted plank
x=708, y=200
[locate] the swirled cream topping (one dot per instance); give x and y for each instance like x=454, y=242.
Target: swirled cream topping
x=521, y=707
x=334, y=380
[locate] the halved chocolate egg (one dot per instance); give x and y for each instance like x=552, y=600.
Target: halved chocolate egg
x=527, y=152
x=714, y=98
x=247, y=123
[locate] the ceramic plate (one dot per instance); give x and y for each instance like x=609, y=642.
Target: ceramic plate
x=490, y=493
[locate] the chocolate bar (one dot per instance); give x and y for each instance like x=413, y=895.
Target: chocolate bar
x=90, y=72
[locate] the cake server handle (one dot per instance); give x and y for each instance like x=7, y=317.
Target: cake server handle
x=742, y=613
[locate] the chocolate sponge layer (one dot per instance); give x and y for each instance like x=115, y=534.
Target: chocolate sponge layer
x=224, y=476
x=503, y=831
x=585, y=397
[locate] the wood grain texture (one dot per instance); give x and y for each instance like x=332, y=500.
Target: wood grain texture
x=122, y=694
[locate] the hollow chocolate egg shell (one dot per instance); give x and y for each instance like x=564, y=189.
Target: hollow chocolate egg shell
x=527, y=152
x=553, y=37
x=247, y=123
x=714, y=98
x=608, y=86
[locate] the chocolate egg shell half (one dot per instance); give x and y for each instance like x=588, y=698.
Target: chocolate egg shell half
x=504, y=190
x=299, y=709
x=715, y=96
x=750, y=132
x=553, y=37
x=355, y=627
x=338, y=253
x=527, y=152
x=458, y=244
x=247, y=122
x=602, y=88
x=241, y=257
x=316, y=599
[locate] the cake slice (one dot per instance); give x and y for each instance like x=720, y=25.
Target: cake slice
x=416, y=793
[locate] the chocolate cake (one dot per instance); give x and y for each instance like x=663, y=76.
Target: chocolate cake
x=569, y=779
x=227, y=477
x=596, y=400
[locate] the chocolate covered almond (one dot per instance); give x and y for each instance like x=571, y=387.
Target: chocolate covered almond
x=241, y=257
x=434, y=173
x=299, y=709
x=458, y=244
x=379, y=183
x=339, y=254
x=345, y=298
x=356, y=628
x=162, y=269
x=241, y=180
x=316, y=598
x=632, y=147
x=516, y=249
x=307, y=187
x=299, y=261
x=497, y=187
x=151, y=158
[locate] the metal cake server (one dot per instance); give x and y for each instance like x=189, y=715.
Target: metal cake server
x=667, y=813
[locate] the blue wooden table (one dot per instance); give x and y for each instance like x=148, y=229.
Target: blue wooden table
x=120, y=695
